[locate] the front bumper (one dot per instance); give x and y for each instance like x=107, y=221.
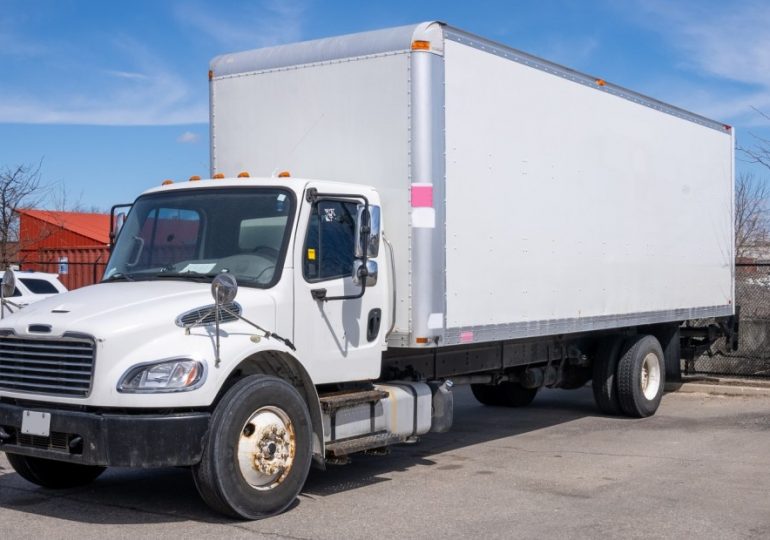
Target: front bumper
x=108, y=440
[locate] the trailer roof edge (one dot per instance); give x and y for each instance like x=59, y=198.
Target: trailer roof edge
x=401, y=38
x=387, y=40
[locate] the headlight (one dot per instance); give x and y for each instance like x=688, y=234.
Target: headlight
x=178, y=375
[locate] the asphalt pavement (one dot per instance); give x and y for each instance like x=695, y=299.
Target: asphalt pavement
x=557, y=469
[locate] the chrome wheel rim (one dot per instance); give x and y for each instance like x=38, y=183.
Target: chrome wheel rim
x=650, y=379
x=266, y=448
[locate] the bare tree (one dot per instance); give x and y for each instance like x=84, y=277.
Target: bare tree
x=759, y=153
x=21, y=186
x=751, y=219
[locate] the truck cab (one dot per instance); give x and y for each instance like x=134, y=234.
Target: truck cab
x=310, y=308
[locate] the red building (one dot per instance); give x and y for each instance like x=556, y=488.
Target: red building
x=74, y=245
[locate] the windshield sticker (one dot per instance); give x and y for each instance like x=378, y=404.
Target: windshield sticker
x=330, y=214
x=204, y=268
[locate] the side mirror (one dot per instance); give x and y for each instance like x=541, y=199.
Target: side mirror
x=116, y=222
x=370, y=273
x=9, y=283
x=367, y=237
x=120, y=220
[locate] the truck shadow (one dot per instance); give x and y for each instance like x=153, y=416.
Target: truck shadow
x=473, y=424
x=126, y=496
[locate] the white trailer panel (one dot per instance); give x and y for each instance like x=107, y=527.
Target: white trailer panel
x=522, y=198
x=564, y=202
x=343, y=121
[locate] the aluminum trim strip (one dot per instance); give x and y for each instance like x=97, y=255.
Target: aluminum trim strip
x=375, y=42
x=308, y=65
x=526, y=59
x=500, y=332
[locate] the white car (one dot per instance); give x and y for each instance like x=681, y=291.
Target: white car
x=34, y=286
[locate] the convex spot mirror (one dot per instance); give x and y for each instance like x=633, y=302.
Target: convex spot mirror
x=368, y=244
x=224, y=287
x=9, y=283
x=371, y=272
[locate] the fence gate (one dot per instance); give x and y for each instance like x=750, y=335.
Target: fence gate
x=752, y=359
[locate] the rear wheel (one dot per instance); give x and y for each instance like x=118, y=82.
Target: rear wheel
x=258, y=451
x=641, y=377
x=605, y=366
x=53, y=474
x=505, y=394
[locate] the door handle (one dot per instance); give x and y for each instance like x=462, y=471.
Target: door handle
x=373, y=324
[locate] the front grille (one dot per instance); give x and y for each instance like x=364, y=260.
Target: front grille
x=57, y=441
x=208, y=315
x=63, y=366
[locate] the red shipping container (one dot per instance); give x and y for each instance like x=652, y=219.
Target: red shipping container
x=74, y=245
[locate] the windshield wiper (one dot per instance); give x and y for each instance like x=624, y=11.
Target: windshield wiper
x=118, y=276
x=198, y=276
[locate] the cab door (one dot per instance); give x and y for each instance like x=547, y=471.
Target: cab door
x=337, y=339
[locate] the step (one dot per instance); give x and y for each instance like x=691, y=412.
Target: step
x=346, y=398
x=359, y=444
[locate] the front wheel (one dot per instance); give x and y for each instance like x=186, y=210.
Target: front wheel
x=258, y=450
x=53, y=474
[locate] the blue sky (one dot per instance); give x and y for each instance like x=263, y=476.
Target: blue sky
x=113, y=96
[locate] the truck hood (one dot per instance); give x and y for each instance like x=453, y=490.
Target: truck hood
x=125, y=307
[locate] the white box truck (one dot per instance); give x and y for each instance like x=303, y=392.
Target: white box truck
x=397, y=211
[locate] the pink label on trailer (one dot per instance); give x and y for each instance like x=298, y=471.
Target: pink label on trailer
x=466, y=336
x=422, y=195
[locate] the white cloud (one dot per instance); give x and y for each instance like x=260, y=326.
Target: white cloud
x=272, y=22
x=146, y=92
x=137, y=87
x=188, y=137
x=126, y=75
x=727, y=41
x=571, y=51
x=14, y=43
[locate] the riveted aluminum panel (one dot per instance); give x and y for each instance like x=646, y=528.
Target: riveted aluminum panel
x=569, y=208
x=345, y=121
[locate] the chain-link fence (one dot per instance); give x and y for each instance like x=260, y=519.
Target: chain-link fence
x=752, y=359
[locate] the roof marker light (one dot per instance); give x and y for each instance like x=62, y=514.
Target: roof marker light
x=218, y=176
x=420, y=45
x=601, y=82
x=194, y=178
x=167, y=182
x=211, y=74
x=244, y=174
x=284, y=174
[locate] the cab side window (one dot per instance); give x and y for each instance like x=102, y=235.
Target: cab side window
x=328, y=252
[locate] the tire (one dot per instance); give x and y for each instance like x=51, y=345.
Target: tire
x=53, y=474
x=641, y=377
x=505, y=394
x=259, y=484
x=604, y=374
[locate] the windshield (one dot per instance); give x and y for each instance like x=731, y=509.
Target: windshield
x=196, y=234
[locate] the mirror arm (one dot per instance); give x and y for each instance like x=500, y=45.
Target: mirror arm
x=268, y=334
x=320, y=294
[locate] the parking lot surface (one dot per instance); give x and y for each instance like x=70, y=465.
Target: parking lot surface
x=557, y=469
